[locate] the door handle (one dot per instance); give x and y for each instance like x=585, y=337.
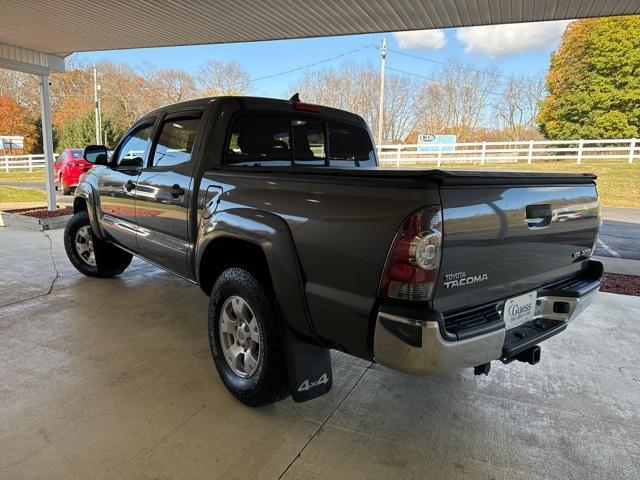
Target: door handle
x=129, y=185
x=176, y=191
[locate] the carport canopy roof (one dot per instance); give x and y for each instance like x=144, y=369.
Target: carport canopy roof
x=36, y=35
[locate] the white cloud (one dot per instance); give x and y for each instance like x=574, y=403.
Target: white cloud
x=422, y=39
x=498, y=40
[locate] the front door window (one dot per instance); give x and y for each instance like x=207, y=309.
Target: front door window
x=134, y=150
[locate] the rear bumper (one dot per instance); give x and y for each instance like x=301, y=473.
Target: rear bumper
x=417, y=345
x=71, y=179
x=71, y=176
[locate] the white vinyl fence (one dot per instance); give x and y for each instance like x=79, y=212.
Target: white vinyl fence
x=22, y=162
x=482, y=153
x=528, y=151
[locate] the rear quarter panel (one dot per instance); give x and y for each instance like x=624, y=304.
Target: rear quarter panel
x=342, y=230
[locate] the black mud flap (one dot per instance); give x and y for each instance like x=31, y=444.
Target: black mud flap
x=309, y=368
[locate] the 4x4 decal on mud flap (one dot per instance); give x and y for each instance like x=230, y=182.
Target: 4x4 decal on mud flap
x=307, y=385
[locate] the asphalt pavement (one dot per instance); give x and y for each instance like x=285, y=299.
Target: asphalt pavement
x=40, y=185
x=620, y=233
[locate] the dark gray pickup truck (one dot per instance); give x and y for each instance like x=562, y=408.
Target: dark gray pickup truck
x=278, y=210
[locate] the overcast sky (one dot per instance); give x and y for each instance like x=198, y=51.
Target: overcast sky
x=516, y=48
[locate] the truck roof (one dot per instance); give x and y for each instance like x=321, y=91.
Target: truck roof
x=265, y=103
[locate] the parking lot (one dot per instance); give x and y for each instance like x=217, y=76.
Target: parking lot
x=113, y=379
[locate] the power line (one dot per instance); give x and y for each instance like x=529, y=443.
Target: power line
x=491, y=92
x=303, y=67
x=451, y=65
x=430, y=60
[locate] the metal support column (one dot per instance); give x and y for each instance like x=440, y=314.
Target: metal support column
x=383, y=61
x=47, y=140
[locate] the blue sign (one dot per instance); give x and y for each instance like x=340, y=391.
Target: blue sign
x=436, y=143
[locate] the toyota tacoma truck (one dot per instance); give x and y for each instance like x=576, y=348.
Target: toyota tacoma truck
x=279, y=211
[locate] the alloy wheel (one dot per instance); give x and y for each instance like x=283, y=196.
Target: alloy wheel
x=239, y=336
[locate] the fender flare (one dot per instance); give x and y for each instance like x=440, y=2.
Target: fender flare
x=272, y=235
x=86, y=191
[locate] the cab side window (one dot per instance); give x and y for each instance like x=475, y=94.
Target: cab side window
x=175, y=143
x=134, y=149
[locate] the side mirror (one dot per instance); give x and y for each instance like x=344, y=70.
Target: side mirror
x=96, y=154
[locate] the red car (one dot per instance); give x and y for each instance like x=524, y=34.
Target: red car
x=68, y=168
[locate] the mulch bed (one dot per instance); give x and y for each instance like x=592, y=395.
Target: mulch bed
x=623, y=284
x=43, y=212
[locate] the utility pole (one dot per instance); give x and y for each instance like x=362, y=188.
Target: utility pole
x=96, y=87
x=383, y=59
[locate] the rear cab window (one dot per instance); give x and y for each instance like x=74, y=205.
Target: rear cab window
x=284, y=140
x=350, y=145
x=260, y=139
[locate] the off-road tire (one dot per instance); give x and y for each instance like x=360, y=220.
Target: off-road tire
x=109, y=260
x=268, y=384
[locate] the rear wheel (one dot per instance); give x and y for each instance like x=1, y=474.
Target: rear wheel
x=245, y=339
x=90, y=255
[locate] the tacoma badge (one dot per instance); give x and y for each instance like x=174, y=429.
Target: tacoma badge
x=459, y=279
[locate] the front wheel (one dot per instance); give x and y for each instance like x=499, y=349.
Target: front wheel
x=245, y=339
x=90, y=255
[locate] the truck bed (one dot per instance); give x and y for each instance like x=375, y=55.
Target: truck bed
x=440, y=176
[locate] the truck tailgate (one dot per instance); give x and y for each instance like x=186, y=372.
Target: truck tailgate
x=504, y=239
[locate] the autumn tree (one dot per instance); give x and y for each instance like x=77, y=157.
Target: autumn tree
x=23, y=88
x=173, y=85
x=126, y=93
x=352, y=87
x=223, y=78
x=454, y=100
x=516, y=108
x=15, y=122
x=71, y=95
x=593, y=83
x=356, y=87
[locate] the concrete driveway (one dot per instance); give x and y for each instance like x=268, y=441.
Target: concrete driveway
x=113, y=379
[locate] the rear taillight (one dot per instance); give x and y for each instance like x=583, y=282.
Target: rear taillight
x=411, y=270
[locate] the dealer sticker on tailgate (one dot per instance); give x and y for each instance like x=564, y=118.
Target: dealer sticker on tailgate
x=518, y=310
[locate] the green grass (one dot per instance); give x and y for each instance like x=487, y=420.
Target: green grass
x=618, y=181
x=22, y=175
x=15, y=194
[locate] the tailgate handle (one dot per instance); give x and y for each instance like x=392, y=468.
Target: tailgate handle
x=538, y=216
